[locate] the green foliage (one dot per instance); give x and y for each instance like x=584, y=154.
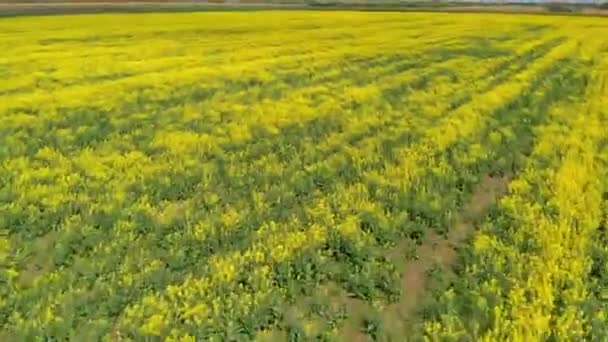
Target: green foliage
x=223, y=176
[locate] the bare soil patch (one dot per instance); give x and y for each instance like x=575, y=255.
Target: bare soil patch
x=439, y=251
x=436, y=251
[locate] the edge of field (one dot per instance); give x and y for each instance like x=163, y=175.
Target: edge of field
x=34, y=7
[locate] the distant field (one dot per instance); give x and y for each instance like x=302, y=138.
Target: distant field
x=47, y=7
x=294, y=176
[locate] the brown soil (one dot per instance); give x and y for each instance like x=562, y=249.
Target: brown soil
x=436, y=251
x=39, y=263
x=440, y=251
x=351, y=329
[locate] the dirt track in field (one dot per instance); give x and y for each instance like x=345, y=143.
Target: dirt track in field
x=442, y=251
x=435, y=251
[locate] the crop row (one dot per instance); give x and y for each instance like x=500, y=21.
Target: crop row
x=534, y=272
x=205, y=187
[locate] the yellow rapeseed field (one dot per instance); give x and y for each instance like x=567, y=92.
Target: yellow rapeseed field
x=295, y=176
